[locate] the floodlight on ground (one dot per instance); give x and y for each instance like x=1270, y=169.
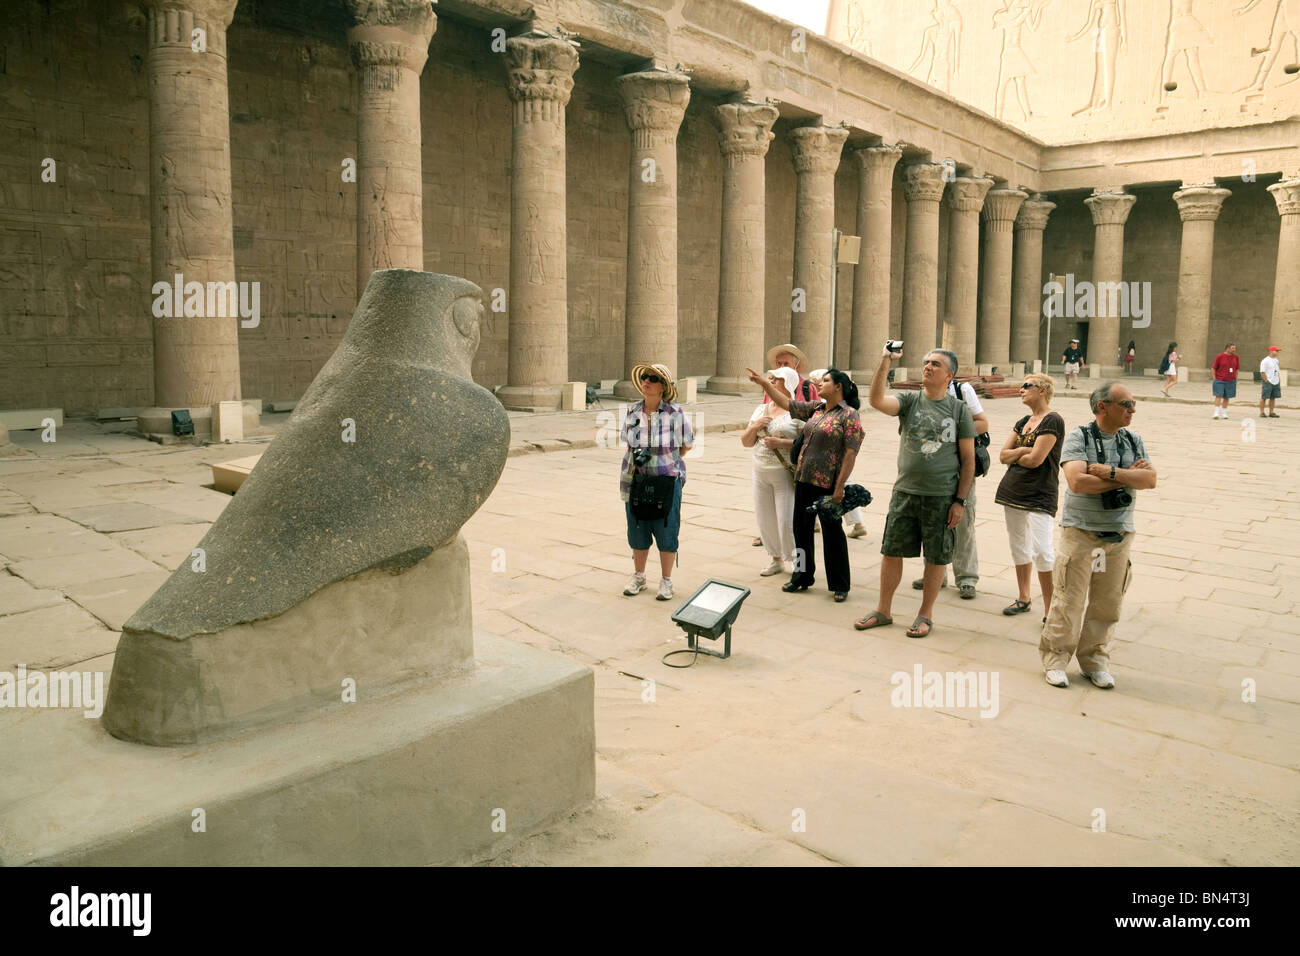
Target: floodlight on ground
x=709, y=613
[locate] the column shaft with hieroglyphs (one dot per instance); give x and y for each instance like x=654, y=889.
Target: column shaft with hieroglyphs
x=196, y=357
x=1285, y=328
x=540, y=76
x=389, y=42
x=816, y=152
x=923, y=189
x=654, y=103
x=993, y=337
x=1027, y=289
x=746, y=131
x=1198, y=207
x=871, y=280
x=965, y=200
x=1110, y=209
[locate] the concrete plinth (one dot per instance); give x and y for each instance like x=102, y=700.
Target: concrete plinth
x=157, y=422
x=418, y=777
x=531, y=398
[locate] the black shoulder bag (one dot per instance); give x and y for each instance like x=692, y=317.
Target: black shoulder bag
x=651, y=496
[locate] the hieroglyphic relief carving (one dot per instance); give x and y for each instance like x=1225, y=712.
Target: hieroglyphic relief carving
x=940, y=46
x=1186, y=35
x=1286, y=23
x=1108, y=27
x=1014, y=65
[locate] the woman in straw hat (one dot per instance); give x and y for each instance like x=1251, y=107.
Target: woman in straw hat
x=771, y=433
x=832, y=438
x=657, y=434
x=789, y=355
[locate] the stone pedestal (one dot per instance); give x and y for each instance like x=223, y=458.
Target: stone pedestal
x=816, y=152
x=389, y=43
x=993, y=337
x=432, y=774
x=965, y=199
x=540, y=79
x=196, y=358
x=1198, y=207
x=745, y=132
x=1110, y=209
x=1027, y=285
x=654, y=103
x=156, y=422
x=871, y=299
x=922, y=188
x=1284, y=329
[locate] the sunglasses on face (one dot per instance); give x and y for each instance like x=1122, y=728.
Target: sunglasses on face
x=1026, y=385
x=1129, y=405
x=652, y=379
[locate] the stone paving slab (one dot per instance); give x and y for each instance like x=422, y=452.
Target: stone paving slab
x=125, y=516
x=52, y=637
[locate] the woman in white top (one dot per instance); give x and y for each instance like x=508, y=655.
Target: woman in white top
x=771, y=433
x=1171, y=369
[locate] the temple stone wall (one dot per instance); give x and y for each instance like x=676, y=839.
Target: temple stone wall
x=780, y=184
x=699, y=240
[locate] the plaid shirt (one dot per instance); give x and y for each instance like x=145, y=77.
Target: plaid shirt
x=663, y=435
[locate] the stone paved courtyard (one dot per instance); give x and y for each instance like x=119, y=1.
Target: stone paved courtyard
x=729, y=756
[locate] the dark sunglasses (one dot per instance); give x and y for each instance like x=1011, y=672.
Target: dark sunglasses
x=652, y=379
x=1025, y=385
x=1129, y=405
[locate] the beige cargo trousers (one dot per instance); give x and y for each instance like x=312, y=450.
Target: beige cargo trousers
x=1089, y=581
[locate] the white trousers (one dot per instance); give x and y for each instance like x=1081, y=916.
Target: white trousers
x=774, y=509
x=1030, y=536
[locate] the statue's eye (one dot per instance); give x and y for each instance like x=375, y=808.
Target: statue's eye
x=465, y=313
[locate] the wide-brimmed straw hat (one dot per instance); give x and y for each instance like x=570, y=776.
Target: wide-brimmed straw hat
x=794, y=350
x=670, y=387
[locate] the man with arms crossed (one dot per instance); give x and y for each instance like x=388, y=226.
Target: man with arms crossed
x=1105, y=465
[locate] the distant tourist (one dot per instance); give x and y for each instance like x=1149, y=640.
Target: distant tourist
x=1028, y=491
x=1105, y=465
x=771, y=433
x=1169, y=368
x=789, y=355
x=657, y=434
x=936, y=471
x=832, y=438
x=1072, y=359
x=1226, y=365
x=1130, y=357
x=1270, y=388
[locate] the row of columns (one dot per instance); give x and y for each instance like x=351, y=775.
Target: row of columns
x=198, y=363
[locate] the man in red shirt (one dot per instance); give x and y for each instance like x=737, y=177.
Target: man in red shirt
x=1226, y=364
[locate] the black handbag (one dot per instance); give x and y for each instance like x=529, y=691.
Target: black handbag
x=982, y=460
x=652, y=496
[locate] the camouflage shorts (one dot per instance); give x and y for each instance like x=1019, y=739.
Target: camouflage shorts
x=917, y=521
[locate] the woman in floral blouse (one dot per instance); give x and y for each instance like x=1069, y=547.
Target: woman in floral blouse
x=832, y=438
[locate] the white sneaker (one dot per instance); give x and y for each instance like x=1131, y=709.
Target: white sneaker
x=1216, y=412
x=635, y=586
x=665, y=590
x=776, y=567
x=1100, y=679
x=1057, y=678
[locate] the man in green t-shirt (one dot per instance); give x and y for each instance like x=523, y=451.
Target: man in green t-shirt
x=936, y=469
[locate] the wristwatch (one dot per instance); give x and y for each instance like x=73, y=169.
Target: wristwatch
x=959, y=501
x=1112, y=472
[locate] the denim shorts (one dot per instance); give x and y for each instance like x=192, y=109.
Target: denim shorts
x=1270, y=391
x=1225, y=389
x=663, y=531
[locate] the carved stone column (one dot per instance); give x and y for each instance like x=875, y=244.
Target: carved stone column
x=746, y=130
x=922, y=188
x=1285, y=327
x=196, y=358
x=539, y=73
x=1198, y=207
x=389, y=42
x=1110, y=209
x=654, y=103
x=816, y=152
x=871, y=303
x=1027, y=288
x=993, y=335
x=965, y=198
